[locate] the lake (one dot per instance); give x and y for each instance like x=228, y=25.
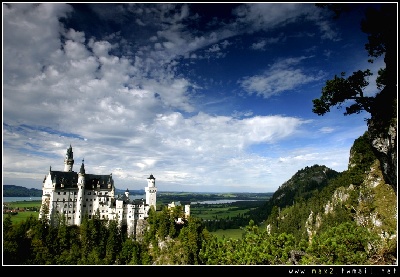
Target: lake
x=221, y=201
x=16, y=199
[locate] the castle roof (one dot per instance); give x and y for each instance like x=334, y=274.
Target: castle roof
x=70, y=180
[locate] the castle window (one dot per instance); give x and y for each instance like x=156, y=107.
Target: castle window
x=74, y=192
x=65, y=205
x=90, y=216
x=65, y=192
x=87, y=199
x=65, y=212
x=58, y=193
x=89, y=193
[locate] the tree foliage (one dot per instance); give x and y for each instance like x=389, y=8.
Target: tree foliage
x=345, y=244
x=381, y=26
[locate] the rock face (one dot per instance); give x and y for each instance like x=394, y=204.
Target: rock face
x=384, y=143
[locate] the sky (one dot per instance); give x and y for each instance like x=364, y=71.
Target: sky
x=206, y=97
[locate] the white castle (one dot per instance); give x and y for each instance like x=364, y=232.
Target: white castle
x=73, y=195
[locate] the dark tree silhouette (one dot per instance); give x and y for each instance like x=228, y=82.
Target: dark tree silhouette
x=381, y=26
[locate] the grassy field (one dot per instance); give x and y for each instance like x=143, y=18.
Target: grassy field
x=220, y=211
x=216, y=212
x=233, y=233
x=33, y=207
x=24, y=204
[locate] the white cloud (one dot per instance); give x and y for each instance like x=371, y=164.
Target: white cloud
x=280, y=76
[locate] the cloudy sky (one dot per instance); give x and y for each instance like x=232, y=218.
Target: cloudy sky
x=206, y=97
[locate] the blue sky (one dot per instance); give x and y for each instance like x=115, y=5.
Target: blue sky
x=206, y=97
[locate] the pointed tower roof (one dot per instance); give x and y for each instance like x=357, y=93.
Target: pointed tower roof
x=70, y=154
x=82, y=170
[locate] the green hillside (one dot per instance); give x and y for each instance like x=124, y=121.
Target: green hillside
x=19, y=191
x=357, y=198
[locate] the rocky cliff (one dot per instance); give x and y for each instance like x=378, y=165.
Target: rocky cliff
x=384, y=143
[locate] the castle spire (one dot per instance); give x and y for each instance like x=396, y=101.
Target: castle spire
x=82, y=170
x=69, y=160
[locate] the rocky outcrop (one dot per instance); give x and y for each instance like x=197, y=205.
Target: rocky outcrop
x=375, y=208
x=384, y=144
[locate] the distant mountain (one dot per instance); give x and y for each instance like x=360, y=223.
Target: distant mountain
x=303, y=185
x=19, y=191
x=300, y=187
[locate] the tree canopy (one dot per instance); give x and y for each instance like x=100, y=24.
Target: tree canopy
x=381, y=26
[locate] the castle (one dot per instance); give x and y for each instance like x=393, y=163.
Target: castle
x=74, y=195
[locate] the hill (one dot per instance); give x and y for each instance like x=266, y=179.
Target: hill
x=300, y=187
x=317, y=207
x=19, y=191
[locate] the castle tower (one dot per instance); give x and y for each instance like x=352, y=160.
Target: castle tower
x=69, y=160
x=151, y=191
x=127, y=194
x=81, y=193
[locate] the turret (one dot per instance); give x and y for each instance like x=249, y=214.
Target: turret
x=151, y=191
x=151, y=181
x=69, y=160
x=81, y=193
